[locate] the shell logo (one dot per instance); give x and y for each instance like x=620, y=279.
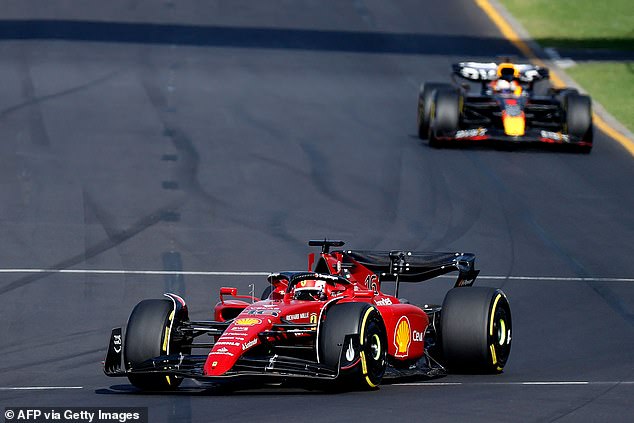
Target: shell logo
x=402, y=337
x=248, y=321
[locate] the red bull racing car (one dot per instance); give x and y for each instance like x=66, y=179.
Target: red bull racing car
x=507, y=109
x=331, y=326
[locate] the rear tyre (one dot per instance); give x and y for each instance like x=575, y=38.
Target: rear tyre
x=444, y=115
x=353, y=339
x=578, y=119
x=562, y=93
x=425, y=99
x=147, y=336
x=476, y=330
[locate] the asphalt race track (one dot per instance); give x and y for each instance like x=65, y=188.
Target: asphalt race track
x=220, y=135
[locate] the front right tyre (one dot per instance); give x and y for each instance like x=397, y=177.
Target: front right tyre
x=353, y=340
x=147, y=336
x=425, y=99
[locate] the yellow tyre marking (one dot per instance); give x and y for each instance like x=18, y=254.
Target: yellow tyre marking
x=365, y=318
x=492, y=346
x=558, y=81
x=495, y=303
x=493, y=356
x=169, y=381
x=364, y=367
x=166, y=338
x=369, y=382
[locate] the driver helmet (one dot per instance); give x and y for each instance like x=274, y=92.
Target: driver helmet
x=507, y=72
x=310, y=290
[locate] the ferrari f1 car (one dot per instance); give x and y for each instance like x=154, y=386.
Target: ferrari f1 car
x=332, y=326
x=507, y=108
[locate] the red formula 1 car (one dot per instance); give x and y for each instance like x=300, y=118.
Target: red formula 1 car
x=507, y=109
x=330, y=326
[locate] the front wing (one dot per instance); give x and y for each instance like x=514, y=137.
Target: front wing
x=191, y=366
x=263, y=368
x=532, y=136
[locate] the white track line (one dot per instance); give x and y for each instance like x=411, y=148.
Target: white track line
x=550, y=278
x=546, y=383
x=531, y=383
x=535, y=383
x=37, y=388
x=232, y=273
x=134, y=272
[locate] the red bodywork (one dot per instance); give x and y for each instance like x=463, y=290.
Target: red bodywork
x=299, y=328
x=405, y=323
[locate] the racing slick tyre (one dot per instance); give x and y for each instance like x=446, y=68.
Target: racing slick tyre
x=578, y=119
x=147, y=336
x=425, y=98
x=444, y=114
x=561, y=93
x=353, y=340
x=476, y=330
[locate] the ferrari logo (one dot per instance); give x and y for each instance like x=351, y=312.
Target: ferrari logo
x=402, y=337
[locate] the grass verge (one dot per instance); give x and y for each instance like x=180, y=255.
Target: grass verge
x=611, y=84
x=586, y=24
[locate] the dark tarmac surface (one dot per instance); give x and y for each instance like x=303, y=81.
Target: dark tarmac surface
x=222, y=135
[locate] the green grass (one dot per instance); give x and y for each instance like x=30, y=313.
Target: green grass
x=587, y=24
x=577, y=23
x=612, y=85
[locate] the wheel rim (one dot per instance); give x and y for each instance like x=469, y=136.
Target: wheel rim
x=375, y=347
x=500, y=332
x=374, y=352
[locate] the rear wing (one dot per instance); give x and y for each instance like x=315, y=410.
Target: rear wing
x=409, y=266
x=485, y=72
